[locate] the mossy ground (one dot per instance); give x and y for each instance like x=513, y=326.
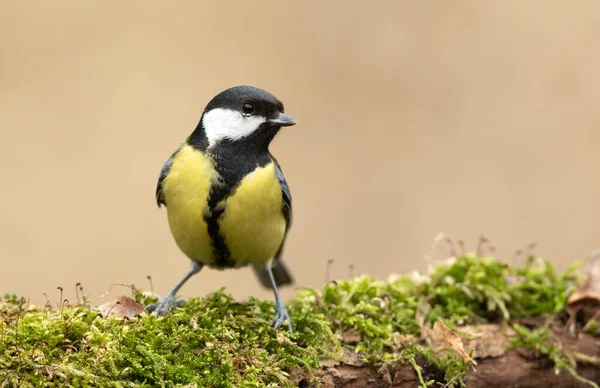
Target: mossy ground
x=216, y=341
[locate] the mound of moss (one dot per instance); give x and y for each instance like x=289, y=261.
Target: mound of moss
x=216, y=341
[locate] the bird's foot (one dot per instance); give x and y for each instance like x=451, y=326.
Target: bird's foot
x=165, y=304
x=281, y=315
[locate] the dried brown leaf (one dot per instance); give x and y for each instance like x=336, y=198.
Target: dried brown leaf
x=442, y=338
x=586, y=298
x=590, y=288
x=384, y=373
x=121, y=306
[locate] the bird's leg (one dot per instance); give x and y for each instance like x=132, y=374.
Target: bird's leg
x=281, y=314
x=167, y=302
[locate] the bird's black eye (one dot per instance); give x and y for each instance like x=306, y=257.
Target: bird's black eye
x=248, y=108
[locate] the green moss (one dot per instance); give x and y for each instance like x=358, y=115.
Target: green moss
x=540, y=290
x=541, y=343
x=216, y=341
x=483, y=289
x=593, y=327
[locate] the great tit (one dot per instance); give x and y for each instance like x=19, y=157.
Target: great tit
x=228, y=203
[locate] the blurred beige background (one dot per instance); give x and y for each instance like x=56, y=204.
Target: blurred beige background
x=416, y=118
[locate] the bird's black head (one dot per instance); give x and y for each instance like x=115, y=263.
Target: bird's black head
x=242, y=114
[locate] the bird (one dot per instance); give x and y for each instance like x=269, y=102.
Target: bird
x=228, y=203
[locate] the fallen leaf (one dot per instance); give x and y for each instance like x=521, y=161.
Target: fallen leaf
x=121, y=306
x=384, y=373
x=442, y=338
x=586, y=298
x=590, y=288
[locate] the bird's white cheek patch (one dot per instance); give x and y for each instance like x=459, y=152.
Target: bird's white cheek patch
x=229, y=124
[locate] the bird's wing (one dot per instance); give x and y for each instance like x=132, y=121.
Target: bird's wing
x=287, y=195
x=160, y=199
x=287, y=204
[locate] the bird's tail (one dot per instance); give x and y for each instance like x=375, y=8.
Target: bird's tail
x=280, y=273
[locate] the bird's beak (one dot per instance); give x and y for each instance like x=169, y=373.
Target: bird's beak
x=282, y=120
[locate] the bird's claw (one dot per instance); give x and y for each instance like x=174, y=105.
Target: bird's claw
x=281, y=315
x=163, y=306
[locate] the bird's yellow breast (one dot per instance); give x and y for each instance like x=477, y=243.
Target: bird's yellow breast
x=186, y=188
x=253, y=224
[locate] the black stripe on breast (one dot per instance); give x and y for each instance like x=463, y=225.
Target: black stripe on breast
x=232, y=162
x=219, y=192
